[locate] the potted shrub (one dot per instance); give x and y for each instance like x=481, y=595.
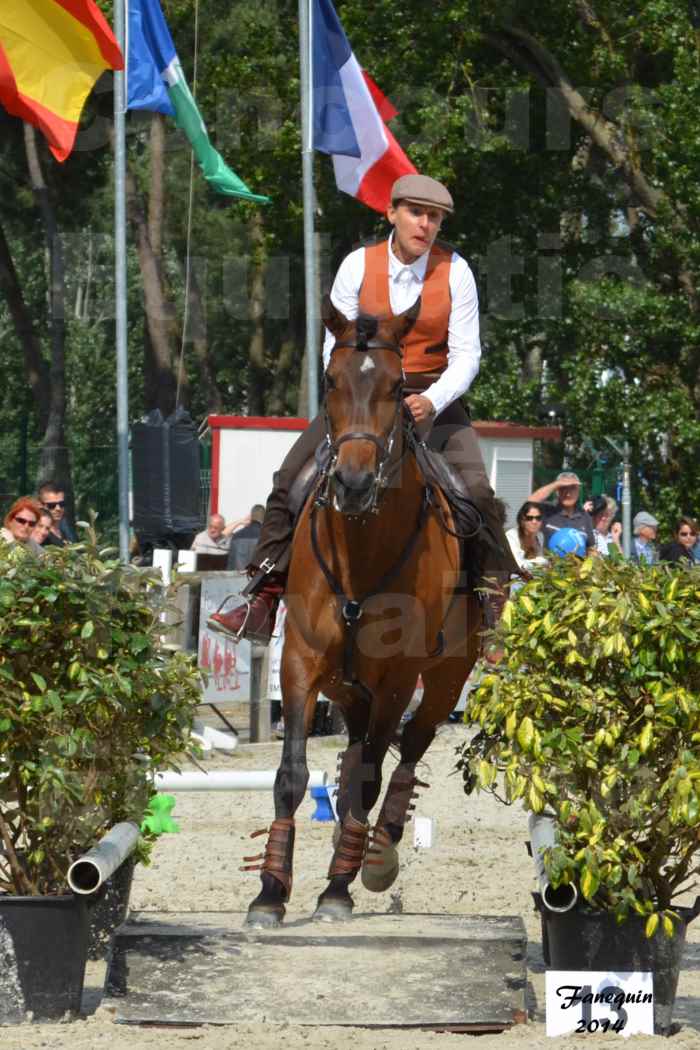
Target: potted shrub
x=593, y=717
x=91, y=703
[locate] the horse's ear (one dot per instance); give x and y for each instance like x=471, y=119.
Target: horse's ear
x=403, y=323
x=333, y=319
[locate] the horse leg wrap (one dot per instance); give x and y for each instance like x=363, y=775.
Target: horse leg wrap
x=350, y=850
x=279, y=851
x=399, y=799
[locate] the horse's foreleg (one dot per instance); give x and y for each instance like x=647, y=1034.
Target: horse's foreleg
x=291, y=781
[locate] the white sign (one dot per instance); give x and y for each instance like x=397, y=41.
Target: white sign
x=226, y=662
x=599, y=1001
x=332, y=790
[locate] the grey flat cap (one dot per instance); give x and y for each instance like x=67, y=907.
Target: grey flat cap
x=569, y=475
x=421, y=189
x=643, y=518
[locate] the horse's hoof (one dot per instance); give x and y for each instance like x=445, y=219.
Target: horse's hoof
x=264, y=918
x=381, y=864
x=333, y=910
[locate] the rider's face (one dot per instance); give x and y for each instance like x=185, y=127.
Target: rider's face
x=415, y=228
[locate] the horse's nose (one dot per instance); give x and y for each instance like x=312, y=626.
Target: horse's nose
x=355, y=482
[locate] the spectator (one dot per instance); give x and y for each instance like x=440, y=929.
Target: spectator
x=564, y=514
x=19, y=522
x=644, y=527
x=215, y=539
x=42, y=528
x=244, y=540
x=605, y=533
x=680, y=549
x=525, y=538
x=52, y=496
x=696, y=551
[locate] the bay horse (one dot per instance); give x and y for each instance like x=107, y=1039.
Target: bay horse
x=373, y=602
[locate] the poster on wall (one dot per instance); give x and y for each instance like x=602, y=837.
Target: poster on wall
x=226, y=662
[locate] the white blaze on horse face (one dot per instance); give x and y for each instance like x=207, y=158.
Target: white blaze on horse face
x=367, y=365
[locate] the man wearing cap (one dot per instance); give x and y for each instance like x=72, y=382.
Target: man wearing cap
x=565, y=513
x=644, y=527
x=441, y=357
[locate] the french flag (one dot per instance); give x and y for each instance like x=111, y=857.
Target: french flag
x=348, y=112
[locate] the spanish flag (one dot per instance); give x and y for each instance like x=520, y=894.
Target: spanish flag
x=51, y=54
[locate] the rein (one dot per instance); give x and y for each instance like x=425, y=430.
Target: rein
x=351, y=609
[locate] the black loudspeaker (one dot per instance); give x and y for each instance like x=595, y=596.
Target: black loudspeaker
x=165, y=480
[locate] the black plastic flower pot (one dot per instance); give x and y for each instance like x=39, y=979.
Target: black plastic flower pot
x=108, y=909
x=43, y=951
x=588, y=939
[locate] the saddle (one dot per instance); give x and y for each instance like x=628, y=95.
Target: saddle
x=439, y=476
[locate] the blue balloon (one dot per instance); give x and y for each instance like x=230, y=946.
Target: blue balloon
x=567, y=541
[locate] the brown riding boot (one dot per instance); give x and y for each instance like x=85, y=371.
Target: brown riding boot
x=255, y=618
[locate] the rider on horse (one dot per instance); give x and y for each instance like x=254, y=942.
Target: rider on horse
x=441, y=357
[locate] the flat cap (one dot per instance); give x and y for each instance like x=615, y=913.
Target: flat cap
x=644, y=518
x=421, y=189
x=568, y=475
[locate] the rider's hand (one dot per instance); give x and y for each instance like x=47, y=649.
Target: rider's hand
x=420, y=407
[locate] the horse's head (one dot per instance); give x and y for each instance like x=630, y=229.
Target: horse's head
x=364, y=389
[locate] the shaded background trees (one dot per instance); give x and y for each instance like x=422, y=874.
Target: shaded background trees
x=569, y=134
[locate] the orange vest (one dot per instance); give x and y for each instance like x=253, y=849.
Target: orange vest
x=425, y=346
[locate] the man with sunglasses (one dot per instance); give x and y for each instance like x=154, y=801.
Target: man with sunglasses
x=52, y=496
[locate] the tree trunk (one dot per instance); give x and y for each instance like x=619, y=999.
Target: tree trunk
x=54, y=459
x=160, y=382
x=34, y=364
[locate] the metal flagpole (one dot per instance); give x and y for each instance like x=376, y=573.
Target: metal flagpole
x=307, y=167
x=120, y=15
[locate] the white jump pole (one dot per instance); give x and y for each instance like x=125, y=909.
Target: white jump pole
x=229, y=780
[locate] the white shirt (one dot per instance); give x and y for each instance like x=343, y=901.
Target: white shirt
x=522, y=559
x=405, y=285
x=206, y=544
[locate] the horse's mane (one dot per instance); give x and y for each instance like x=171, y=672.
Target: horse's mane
x=366, y=329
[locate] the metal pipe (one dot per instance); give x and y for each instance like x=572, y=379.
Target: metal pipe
x=309, y=200
x=626, y=502
x=87, y=874
x=120, y=285
x=229, y=780
x=542, y=837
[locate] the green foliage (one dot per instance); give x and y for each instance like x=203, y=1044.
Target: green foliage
x=91, y=703
x=594, y=716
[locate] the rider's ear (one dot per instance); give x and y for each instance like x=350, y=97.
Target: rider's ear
x=333, y=319
x=403, y=323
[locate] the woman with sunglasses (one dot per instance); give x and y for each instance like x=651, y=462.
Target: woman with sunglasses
x=680, y=549
x=525, y=539
x=19, y=522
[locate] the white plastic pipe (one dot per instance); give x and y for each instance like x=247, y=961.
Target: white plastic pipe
x=229, y=780
x=543, y=836
x=87, y=874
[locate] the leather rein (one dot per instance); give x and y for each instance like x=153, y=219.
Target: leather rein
x=351, y=609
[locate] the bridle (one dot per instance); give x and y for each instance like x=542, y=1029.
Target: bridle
x=351, y=609
x=384, y=445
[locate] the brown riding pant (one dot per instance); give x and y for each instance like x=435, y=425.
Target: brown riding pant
x=452, y=434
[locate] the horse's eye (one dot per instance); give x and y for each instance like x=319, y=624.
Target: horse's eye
x=330, y=382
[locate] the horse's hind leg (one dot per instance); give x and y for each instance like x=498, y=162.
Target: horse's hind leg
x=360, y=784
x=442, y=687
x=299, y=691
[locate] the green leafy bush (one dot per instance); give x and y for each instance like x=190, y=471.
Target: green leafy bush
x=90, y=704
x=595, y=716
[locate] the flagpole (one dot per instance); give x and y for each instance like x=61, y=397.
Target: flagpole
x=307, y=169
x=120, y=283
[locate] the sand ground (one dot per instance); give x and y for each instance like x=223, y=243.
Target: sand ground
x=477, y=865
